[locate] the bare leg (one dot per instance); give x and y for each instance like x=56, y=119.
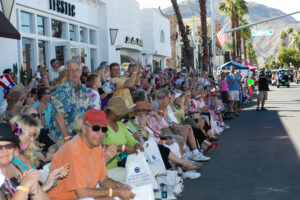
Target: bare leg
x=181, y=162
x=191, y=141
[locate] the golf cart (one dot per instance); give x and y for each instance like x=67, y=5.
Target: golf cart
x=283, y=79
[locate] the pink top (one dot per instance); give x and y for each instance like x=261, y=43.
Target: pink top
x=223, y=86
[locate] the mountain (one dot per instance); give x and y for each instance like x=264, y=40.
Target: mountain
x=263, y=45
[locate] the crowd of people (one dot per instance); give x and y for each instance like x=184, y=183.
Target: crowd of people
x=68, y=132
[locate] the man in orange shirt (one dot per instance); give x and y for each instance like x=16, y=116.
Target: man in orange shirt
x=84, y=155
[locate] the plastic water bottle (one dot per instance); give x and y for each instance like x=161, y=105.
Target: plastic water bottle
x=164, y=193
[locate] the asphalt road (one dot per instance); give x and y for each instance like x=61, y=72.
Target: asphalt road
x=259, y=157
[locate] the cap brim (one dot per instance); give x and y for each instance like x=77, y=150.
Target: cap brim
x=98, y=122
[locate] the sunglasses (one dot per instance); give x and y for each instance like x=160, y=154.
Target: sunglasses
x=7, y=146
x=47, y=70
x=34, y=115
x=96, y=128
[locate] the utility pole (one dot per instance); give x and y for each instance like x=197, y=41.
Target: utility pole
x=213, y=39
x=193, y=34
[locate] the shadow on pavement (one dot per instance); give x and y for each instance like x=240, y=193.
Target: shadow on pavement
x=256, y=160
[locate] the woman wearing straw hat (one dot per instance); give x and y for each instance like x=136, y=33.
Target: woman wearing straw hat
x=117, y=108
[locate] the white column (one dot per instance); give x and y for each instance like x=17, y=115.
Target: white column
x=163, y=63
x=150, y=60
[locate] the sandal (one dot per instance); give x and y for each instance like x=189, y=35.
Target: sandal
x=192, y=166
x=210, y=147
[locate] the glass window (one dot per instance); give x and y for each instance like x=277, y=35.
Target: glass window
x=41, y=25
x=27, y=57
x=57, y=28
x=82, y=56
x=92, y=37
x=42, y=52
x=26, y=22
x=82, y=32
x=75, y=53
x=72, y=29
x=60, y=56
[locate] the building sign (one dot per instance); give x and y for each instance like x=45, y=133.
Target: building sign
x=133, y=40
x=62, y=7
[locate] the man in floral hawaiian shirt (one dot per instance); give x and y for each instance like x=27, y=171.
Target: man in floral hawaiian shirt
x=68, y=100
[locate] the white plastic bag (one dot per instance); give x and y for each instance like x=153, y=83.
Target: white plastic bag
x=144, y=192
x=170, y=180
x=138, y=172
x=153, y=156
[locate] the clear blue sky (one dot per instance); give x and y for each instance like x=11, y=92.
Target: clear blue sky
x=286, y=6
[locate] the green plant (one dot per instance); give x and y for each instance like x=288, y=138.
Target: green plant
x=22, y=75
x=15, y=68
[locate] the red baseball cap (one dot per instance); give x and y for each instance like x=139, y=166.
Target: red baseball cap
x=95, y=117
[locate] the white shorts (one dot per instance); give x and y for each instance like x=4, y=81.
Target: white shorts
x=233, y=95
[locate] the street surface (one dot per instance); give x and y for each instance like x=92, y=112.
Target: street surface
x=259, y=157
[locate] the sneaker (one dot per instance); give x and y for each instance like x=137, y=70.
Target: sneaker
x=225, y=126
x=200, y=157
x=191, y=175
x=257, y=109
x=179, y=170
x=264, y=109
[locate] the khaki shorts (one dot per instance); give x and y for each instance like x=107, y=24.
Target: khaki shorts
x=262, y=95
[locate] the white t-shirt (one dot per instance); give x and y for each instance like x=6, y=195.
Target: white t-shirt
x=171, y=116
x=94, y=97
x=52, y=74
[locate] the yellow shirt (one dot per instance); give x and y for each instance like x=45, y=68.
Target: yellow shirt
x=121, y=90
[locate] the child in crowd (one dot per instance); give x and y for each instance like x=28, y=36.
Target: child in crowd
x=93, y=83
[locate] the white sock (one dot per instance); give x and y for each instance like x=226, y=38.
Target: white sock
x=196, y=152
x=222, y=123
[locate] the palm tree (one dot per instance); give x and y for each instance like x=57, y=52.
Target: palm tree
x=204, y=43
x=245, y=34
x=228, y=46
x=227, y=7
x=240, y=10
x=295, y=39
x=185, y=39
x=283, y=36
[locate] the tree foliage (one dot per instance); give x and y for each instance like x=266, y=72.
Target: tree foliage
x=288, y=55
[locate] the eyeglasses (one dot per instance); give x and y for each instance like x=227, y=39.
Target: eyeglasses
x=7, y=146
x=74, y=71
x=34, y=115
x=47, y=93
x=96, y=128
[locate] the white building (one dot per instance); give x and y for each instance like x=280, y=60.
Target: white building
x=82, y=28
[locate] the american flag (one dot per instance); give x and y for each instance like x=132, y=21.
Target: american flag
x=222, y=36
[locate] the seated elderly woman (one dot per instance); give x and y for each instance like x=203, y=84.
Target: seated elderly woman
x=46, y=145
x=142, y=128
x=117, y=133
x=19, y=184
x=27, y=130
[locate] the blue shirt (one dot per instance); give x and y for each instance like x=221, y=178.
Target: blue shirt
x=235, y=85
x=47, y=112
x=67, y=101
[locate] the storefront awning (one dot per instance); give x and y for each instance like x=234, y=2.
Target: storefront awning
x=7, y=30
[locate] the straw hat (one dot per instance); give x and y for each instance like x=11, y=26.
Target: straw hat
x=142, y=105
x=119, y=106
